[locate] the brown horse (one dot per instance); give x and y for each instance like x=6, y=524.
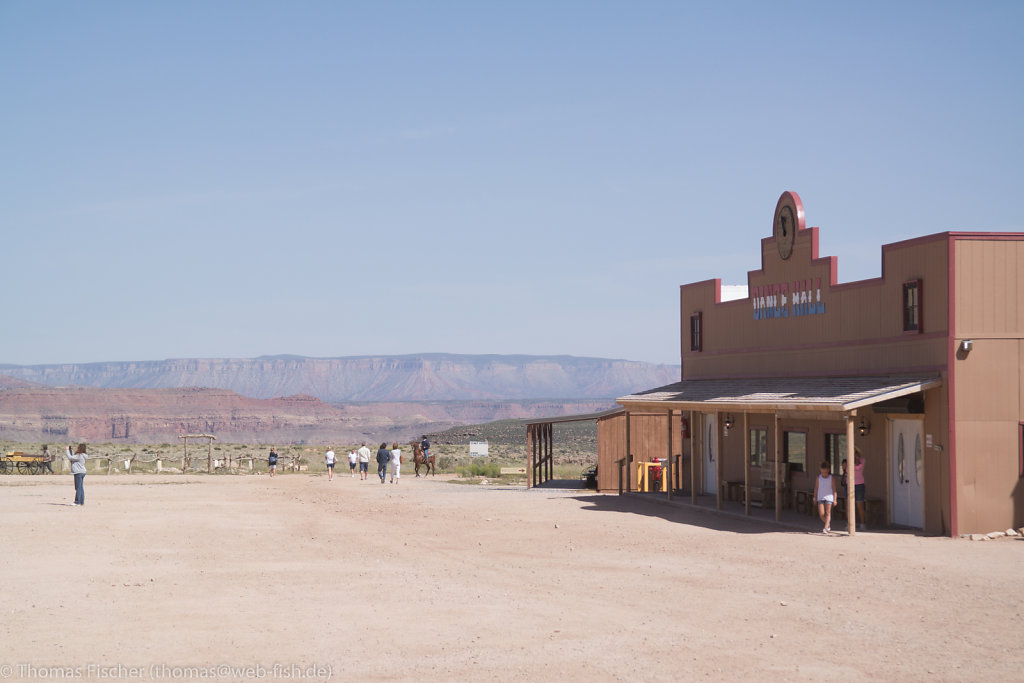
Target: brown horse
x=417, y=452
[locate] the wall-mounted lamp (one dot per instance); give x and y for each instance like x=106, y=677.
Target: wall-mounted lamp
x=966, y=345
x=728, y=421
x=864, y=427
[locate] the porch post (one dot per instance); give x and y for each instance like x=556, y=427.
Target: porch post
x=718, y=464
x=746, y=464
x=851, y=479
x=628, y=456
x=693, y=460
x=549, y=456
x=778, y=484
x=667, y=474
x=529, y=457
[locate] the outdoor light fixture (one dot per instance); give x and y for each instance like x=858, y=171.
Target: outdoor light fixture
x=864, y=427
x=965, y=346
x=728, y=421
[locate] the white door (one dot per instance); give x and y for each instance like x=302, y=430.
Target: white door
x=710, y=452
x=906, y=463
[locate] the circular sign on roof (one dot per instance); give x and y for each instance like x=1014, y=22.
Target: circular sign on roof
x=789, y=217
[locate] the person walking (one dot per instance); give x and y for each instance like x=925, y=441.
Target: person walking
x=825, y=495
x=396, y=463
x=364, y=461
x=272, y=462
x=383, y=458
x=352, y=459
x=329, y=457
x=78, y=471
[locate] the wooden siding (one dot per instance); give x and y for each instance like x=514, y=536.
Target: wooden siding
x=989, y=408
x=861, y=330
x=649, y=434
x=989, y=288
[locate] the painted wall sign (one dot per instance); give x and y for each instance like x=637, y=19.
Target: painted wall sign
x=787, y=299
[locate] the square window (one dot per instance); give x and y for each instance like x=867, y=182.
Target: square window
x=794, y=446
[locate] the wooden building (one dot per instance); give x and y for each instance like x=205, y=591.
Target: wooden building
x=922, y=369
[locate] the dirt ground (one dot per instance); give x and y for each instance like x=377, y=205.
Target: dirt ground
x=297, y=578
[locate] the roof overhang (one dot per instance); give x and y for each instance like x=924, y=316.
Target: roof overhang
x=811, y=396
x=580, y=417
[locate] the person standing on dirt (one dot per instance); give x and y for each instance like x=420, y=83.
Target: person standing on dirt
x=78, y=471
x=272, y=462
x=329, y=457
x=353, y=457
x=396, y=463
x=383, y=458
x=364, y=462
x=825, y=495
x=47, y=459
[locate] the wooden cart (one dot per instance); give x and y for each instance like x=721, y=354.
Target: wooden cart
x=16, y=461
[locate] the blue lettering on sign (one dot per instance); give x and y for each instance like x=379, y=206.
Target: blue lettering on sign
x=796, y=299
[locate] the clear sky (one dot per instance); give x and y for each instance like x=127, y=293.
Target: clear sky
x=234, y=179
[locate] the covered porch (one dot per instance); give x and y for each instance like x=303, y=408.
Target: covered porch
x=711, y=409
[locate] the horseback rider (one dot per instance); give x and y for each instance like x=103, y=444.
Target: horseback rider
x=425, y=445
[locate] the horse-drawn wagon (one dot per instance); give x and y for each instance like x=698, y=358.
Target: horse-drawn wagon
x=22, y=463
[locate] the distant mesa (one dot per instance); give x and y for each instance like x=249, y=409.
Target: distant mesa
x=423, y=377
x=305, y=400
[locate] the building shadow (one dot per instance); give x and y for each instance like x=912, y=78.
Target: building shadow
x=730, y=518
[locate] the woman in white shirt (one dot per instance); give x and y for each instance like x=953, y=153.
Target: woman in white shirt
x=396, y=463
x=825, y=495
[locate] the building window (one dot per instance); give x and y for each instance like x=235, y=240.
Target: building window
x=794, y=446
x=835, y=451
x=912, y=306
x=696, y=332
x=758, y=446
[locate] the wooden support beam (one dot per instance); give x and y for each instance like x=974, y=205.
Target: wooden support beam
x=668, y=462
x=629, y=452
x=693, y=459
x=775, y=464
x=718, y=463
x=851, y=479
x=746, y=463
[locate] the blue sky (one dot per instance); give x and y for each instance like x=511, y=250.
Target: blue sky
x=234, y=179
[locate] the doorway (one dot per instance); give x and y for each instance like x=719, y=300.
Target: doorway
x=906, y=465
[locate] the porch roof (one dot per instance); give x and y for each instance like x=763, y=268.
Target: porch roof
x=829, y=395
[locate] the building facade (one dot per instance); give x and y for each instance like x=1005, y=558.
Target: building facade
x=921, y=369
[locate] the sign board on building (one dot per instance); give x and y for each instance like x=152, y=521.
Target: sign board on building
x=478, y=448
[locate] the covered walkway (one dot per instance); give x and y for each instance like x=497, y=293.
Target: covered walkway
x=715, y=406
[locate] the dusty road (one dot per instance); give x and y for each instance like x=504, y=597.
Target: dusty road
x=163, y=577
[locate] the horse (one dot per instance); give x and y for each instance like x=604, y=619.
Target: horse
x=417, y=452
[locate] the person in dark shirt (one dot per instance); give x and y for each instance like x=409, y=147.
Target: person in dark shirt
x=383, y=458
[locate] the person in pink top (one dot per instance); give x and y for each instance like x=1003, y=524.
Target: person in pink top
x=858, y=486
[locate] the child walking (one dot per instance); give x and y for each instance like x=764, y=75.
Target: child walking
x=825, y=495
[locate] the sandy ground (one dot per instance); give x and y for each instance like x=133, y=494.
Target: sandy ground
x=429, y=580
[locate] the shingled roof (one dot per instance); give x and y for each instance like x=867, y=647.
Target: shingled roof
x=818, y=394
